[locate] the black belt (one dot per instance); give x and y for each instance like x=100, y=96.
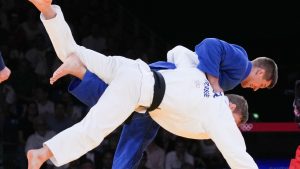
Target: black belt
x=158, y=93
x=159, y=90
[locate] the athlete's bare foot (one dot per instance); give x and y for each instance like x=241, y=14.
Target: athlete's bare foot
x=41, y=5
x=37, y=157
x=44, y=6
x=72, y=65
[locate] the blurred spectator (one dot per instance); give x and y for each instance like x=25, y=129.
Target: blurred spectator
x=73, y=111
x=156, y=156
x=87, y=164
x=211, y=155
x=187, y=166
x=36, y=55
x=41, y=134
x=143, y=161
x=74, y=164
x=10, y=139
x=178, y=156
x=8, y=94
x=59, y=120
x=104, y=161
x=32, y=26
x=26, y=127
x=195, y=149
x=96, y=40
x=166, y=140
x=45, y=105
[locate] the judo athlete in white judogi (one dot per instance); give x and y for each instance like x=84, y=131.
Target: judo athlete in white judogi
x=189, y=107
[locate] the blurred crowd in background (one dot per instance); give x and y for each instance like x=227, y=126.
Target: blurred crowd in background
x=32, y=111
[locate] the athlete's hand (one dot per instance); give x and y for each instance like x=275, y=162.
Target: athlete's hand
x=4, y=74
x=214, y=82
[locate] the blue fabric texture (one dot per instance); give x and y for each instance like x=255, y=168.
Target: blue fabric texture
x=161, y=65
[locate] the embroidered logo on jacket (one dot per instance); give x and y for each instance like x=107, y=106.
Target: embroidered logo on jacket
x=217, y=94
x=206, y=89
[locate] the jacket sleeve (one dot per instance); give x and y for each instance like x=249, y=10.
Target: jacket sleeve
x=182, y=57
x=88, y=90
x=223, y=130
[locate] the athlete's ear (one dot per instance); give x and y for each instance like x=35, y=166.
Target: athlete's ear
x=232, y=106
x=260, y=72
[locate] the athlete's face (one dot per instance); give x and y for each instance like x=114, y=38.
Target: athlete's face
x=256, y=80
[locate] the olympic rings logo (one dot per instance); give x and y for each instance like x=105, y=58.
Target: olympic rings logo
x=246, y=127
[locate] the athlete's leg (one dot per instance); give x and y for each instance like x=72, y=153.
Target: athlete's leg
x=136, y=135
x=115, y=105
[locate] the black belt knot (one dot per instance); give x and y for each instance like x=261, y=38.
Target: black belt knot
x=159, y=90
x=158, y=94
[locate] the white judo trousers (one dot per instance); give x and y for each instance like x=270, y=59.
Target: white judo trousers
x=119, y=100
x=188, y=108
